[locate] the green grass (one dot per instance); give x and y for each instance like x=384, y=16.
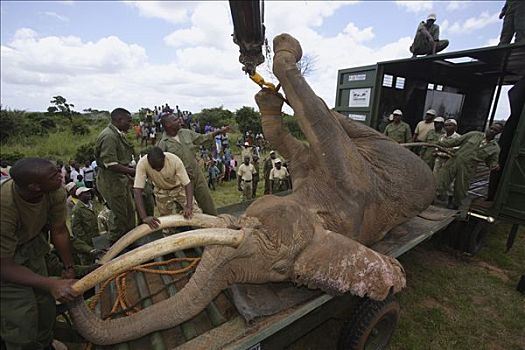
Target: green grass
x=457, y=302
x=58, y=145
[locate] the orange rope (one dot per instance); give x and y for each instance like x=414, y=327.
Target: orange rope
x=122, y=301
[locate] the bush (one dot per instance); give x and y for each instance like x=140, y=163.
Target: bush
x=216, y=117
x=85, y=152
x=291, y=123
x=248, y=119
x=79, y=128
x=11, y=157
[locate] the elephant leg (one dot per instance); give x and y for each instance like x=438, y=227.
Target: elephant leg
x=270, y=106
x=323, y=132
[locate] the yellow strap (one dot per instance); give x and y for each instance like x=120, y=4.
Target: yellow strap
x=259, y=80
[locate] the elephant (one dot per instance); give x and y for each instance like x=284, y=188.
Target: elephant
x=352, y=185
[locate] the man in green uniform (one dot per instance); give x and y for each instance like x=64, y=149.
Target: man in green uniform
x=428, y=154
x=257, y=167
x=474, y=147
x=84, y=227
x=114, y=154
x=398, y=130
x=513, y=13
x=184, y=144
x=33, y=198
x=268, y=166
x=427, y=40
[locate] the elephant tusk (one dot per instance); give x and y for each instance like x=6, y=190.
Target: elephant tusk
x=185, y=240
x=198, y=220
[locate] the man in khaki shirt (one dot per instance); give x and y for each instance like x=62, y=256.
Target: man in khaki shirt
x=244, y=179
x=424, y=126
x=172, y=190
x=279, y=178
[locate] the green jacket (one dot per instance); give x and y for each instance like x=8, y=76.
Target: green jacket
x=399, y=132
x=84, y=227
x=186, y=148
x=473, y=149
x=112, y=148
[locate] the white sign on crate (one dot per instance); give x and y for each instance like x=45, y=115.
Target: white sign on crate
x=359, y=97
x=357, y=77
x=359, y=117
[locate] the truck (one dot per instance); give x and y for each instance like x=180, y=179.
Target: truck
x=464, y=85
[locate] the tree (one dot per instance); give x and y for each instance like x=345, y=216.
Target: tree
x=307, y=64
x=248, y=119
x=216, y=117
x=61, y=107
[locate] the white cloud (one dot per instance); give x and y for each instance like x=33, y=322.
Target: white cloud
x=416, y=6
x=56, y=16
x=170, y=11
x=204, y=71
x=493, y=41
x=457, y=5
x=474, y=23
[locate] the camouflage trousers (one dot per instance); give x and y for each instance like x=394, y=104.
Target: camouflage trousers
x=247, y=190
x=172, y=201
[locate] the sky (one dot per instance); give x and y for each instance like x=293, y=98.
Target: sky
x=133, y=54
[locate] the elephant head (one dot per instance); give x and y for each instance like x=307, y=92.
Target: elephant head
x=351, y=186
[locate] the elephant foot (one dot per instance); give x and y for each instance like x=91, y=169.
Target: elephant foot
x=287, y=43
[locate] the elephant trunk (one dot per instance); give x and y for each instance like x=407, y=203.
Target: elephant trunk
x=209, y=279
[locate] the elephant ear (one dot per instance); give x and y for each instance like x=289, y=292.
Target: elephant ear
x=337, y=264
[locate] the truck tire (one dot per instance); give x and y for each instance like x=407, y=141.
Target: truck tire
x=371, y=326
x=476, y=236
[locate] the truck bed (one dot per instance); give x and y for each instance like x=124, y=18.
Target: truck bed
x=220, y=326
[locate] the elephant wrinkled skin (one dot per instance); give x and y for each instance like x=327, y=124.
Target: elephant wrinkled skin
x=351, y=186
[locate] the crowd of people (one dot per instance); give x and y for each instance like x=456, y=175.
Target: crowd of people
x=451, y=157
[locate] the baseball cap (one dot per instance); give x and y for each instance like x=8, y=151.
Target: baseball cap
x=69, y=186
x=277, y=160
x=432, y=16
x=439, y=120
x=246, y=144
x=431, y=112
x=451, y=121
x=81, y=190
x=272, y=152
x=397, y=112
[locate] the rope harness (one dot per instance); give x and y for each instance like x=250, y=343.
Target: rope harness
x=122, y=305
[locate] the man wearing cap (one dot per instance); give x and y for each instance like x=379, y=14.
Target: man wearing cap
x=114, y=155
x=84, y=227
x=257, y=167
x=427, y=40
x=267, y=167
x=247, y=150
x=424, y=126
x=172, y=187
x=72, y=199
x=474, y=147
x=245, y=178
x=184, y=144
x=398, y=130
x=450, y=126
x=428, y=154
x=279, y=178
